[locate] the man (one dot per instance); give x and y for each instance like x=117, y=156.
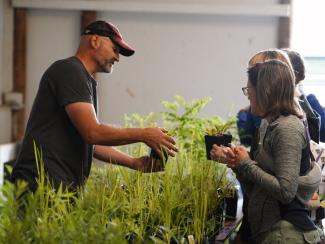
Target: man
x=63, y=121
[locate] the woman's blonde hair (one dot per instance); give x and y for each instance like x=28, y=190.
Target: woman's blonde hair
x=268, y=54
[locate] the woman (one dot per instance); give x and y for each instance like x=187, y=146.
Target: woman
x=249, y=131
x=271, y=181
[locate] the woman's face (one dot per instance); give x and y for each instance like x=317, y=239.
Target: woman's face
x=251, y=94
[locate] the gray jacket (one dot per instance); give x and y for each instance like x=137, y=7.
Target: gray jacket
x=274, y=175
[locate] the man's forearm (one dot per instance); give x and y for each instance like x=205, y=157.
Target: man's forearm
x=111, y=155
x=112, y=136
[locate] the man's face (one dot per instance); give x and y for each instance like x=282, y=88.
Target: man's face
x=107, y=55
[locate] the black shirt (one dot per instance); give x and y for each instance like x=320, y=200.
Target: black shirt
x=67, y=158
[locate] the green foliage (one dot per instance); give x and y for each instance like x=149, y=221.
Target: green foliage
x=189, y=129
x=165, y=206
x=119, y=205
x=52, y=215
x=136, y=120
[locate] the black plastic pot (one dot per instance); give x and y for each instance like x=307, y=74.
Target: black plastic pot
x=223, y=139
x=231, y=206
x=155, y=155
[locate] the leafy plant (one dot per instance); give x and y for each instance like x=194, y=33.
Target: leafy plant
x=189, y=129
x=119, y=205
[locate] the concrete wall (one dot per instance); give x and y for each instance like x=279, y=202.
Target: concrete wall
x=6, y=59
x=191, y=55
x=52, y=35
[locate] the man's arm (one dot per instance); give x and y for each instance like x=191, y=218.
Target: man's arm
x=83, y=117
x=111, y=155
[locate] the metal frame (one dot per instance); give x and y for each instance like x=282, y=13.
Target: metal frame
x=212, y=8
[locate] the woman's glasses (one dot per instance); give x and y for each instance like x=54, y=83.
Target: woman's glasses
x=245, y=90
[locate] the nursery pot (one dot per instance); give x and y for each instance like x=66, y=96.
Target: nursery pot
x=231, y=206
x=222, y=139
x=155, y=155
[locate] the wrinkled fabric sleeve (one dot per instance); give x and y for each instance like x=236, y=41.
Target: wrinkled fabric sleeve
x=246, y=184
x=286, y=143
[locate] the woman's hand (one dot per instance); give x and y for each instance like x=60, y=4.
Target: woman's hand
x=241, y=153
x=231, y=156
x=222, y=154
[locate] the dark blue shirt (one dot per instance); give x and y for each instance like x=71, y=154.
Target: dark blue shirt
x=247, y=124
x=314, y=103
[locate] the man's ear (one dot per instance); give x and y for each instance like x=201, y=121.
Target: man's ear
x=94, y=41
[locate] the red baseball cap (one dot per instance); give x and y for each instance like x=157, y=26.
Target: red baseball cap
x=103, y=28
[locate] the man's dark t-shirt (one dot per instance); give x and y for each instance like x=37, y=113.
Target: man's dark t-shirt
x=67, y=158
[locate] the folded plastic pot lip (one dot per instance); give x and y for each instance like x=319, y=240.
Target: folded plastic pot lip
x=155, y=155
x=210, y=140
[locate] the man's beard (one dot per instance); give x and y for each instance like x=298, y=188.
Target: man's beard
x=106, y=68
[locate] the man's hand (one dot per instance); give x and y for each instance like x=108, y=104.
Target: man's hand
x=147, y=164
x=158, y=140
x=112, y=155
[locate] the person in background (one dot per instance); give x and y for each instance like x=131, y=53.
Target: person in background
x=298, y=65
x=247, y=125
x=63, y=122
x=275, y=213
x=314, y=112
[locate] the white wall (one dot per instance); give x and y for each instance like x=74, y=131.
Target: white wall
x=191, y=55
x=52, y=35
x=6, y=59
x=6, y=45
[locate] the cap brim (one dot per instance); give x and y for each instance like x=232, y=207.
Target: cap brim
x=125, y=49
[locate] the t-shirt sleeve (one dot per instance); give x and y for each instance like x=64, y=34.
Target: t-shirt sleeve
x=70, y=84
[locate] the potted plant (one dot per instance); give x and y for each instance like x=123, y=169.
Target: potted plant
x=218, y=139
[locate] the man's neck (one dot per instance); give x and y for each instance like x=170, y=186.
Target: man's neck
x=87, y=63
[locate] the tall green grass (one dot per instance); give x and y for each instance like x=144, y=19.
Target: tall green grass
x=119, y=205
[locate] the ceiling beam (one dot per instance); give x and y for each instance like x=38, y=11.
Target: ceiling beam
x=279, y=10
x=284, y=29
x=86, y=18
